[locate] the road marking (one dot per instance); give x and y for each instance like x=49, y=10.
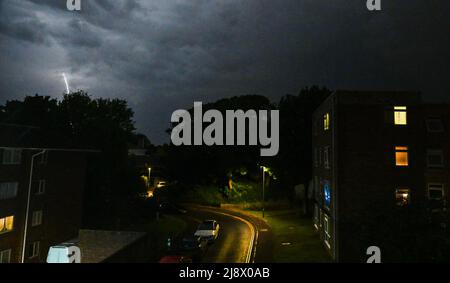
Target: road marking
x=254, y=239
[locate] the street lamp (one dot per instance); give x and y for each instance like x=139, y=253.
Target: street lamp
x=25, y=229
x=149, y=172
x=264, y=169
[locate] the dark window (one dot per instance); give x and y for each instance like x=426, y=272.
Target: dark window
x=434, y=125
x=5, y=256
x=12, y=156
x=435, y=158
x=436, y=191
x=33, y=250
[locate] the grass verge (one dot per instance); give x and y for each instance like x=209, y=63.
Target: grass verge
x=295, y=238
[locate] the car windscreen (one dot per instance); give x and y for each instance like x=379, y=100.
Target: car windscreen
x=206, y=226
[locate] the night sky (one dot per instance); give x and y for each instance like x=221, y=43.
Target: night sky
x=162, y=55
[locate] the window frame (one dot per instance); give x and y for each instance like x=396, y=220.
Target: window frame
x=2, y=255
x=399, y=119
x=434, y=186
x=326, y=121
x=399, y=191
x=432, y=119
x=316, y=216
x=326, y=230
x=41, y=188
x=441, y=155
x=326, y=157
x=15, y=153
x=316, y=188
x=327, y=203
x=8, y=190
x=399, y=150
x=35, y=249
x=36, y=218
x=316, y=157
x=4, y=219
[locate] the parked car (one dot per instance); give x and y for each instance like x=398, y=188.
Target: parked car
x=175, y=259
x=208, y=229
x=64, y=253
x=194, y=246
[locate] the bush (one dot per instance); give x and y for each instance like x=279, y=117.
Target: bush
x=205, y=195
x=243, y=191
x=269, y=205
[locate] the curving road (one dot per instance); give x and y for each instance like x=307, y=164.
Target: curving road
x=238, y=237
x=235, y=239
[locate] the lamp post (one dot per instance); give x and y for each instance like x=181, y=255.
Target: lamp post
x=149, y=172
x=25, y=229
x=263, y=189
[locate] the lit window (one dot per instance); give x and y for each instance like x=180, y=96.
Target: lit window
x=6, y=224
x=33, y=249
x=434, y=125
x=5, y=256
x=435, y=158
x=8, y=190
x=400, y=115
x=436, y=191
x=327, y=193
x=327, y=230
x=326, y=121
x=402, y=197
x=37, y=218
x=12, y=156
x=401, y=156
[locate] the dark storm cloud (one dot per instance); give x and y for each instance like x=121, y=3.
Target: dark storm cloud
x=161, y=55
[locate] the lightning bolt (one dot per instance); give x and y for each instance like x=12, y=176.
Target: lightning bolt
x=67, y=84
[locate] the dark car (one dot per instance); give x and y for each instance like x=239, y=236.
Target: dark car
x=194, y=247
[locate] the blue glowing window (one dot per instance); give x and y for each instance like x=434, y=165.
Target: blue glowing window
x=327, y=193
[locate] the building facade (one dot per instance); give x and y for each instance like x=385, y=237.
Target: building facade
x=379, y=165
x=55, y=194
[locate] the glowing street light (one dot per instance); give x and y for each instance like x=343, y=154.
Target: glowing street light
x=264, y=170
x=149, y=172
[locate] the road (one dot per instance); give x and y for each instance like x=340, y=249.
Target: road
x=239, y=236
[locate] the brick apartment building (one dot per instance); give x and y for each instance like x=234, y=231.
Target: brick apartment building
x=55, y=196
x=378, y=156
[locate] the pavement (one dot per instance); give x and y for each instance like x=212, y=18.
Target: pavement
x=242, y=238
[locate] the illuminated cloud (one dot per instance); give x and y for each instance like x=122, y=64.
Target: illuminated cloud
x=161, y=55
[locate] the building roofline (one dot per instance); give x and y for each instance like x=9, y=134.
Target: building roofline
x=52, y=149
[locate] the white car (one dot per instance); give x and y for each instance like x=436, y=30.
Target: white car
x=64, y=253
x=208, y=229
